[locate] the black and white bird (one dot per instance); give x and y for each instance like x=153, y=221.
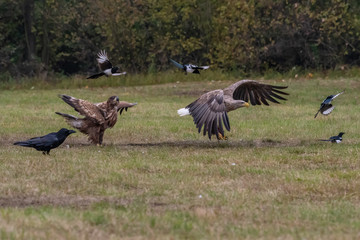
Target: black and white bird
x=47, y=142
x=189, y=68
x=105, y=66
x=326, y=107
x=334, y=139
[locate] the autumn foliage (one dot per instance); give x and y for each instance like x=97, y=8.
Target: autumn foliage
x=141, y=35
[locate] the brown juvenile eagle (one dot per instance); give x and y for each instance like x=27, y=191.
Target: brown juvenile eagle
x=210, y=110
x=97, y=117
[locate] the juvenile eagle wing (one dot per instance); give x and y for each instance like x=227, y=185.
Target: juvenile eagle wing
x=85, y=108
x=124, y=105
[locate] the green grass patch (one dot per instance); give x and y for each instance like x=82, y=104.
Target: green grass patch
x=157, y=178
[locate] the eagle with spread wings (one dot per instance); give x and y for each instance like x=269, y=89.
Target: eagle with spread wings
x=97, y=117
x=210, y=110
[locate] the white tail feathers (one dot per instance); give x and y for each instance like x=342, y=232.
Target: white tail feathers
x=118, y=74
x=183, y=112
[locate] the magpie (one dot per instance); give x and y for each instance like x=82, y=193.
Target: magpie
x=326, y=107
x=189, y=68
x=105, y=66
x=47, y=142
x=334, y=139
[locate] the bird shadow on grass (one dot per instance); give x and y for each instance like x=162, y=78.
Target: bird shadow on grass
x=217, y=144
x=257, y=143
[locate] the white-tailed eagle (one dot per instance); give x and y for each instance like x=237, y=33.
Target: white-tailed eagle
x=210, y=110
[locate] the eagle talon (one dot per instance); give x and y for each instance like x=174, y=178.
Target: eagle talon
x=222, y=137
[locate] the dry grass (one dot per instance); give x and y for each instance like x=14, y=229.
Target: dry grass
x=156, y=178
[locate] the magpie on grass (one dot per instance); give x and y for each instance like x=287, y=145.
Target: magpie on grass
x=334, y=139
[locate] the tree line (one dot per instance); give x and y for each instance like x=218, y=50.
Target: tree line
x=41, y=36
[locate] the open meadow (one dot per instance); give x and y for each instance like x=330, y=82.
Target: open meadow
x=157, y=178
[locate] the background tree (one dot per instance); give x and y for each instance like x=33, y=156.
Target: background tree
x=37, y=36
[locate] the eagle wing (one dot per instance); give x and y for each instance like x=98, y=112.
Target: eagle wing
x=85, y=108
x=124, y=105
x=209, y=111
x=255, y=92
x=120, y=107
x=103, y=61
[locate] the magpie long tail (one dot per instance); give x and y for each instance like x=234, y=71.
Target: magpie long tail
x=317, y=114
x=96, y=75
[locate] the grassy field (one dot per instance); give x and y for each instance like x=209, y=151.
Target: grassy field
x=157, y=178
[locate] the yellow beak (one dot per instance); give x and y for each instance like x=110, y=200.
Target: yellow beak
x=246, y=104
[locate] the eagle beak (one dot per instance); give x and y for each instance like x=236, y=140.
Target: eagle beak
x=246, y=104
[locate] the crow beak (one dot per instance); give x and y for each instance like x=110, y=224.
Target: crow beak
x=71, y=131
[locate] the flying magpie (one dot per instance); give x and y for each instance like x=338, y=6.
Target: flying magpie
x=105, y=66
x=189, y=68
x=47, y=142
x=334, y=139
x=326, y=107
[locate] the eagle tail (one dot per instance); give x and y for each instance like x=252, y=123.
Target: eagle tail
x=183, y=112
x=71, y=120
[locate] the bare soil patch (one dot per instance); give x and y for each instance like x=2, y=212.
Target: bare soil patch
x=59, y=201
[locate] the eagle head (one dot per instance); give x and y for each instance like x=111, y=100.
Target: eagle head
x=113, y=101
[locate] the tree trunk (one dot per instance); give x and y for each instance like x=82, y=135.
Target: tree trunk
x=45, y=39
x=28, y=24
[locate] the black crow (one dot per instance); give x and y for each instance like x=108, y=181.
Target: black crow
x=189, y=68
x=105, y=66
x=326, y=107
x=334, y=139
x=47, y=142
